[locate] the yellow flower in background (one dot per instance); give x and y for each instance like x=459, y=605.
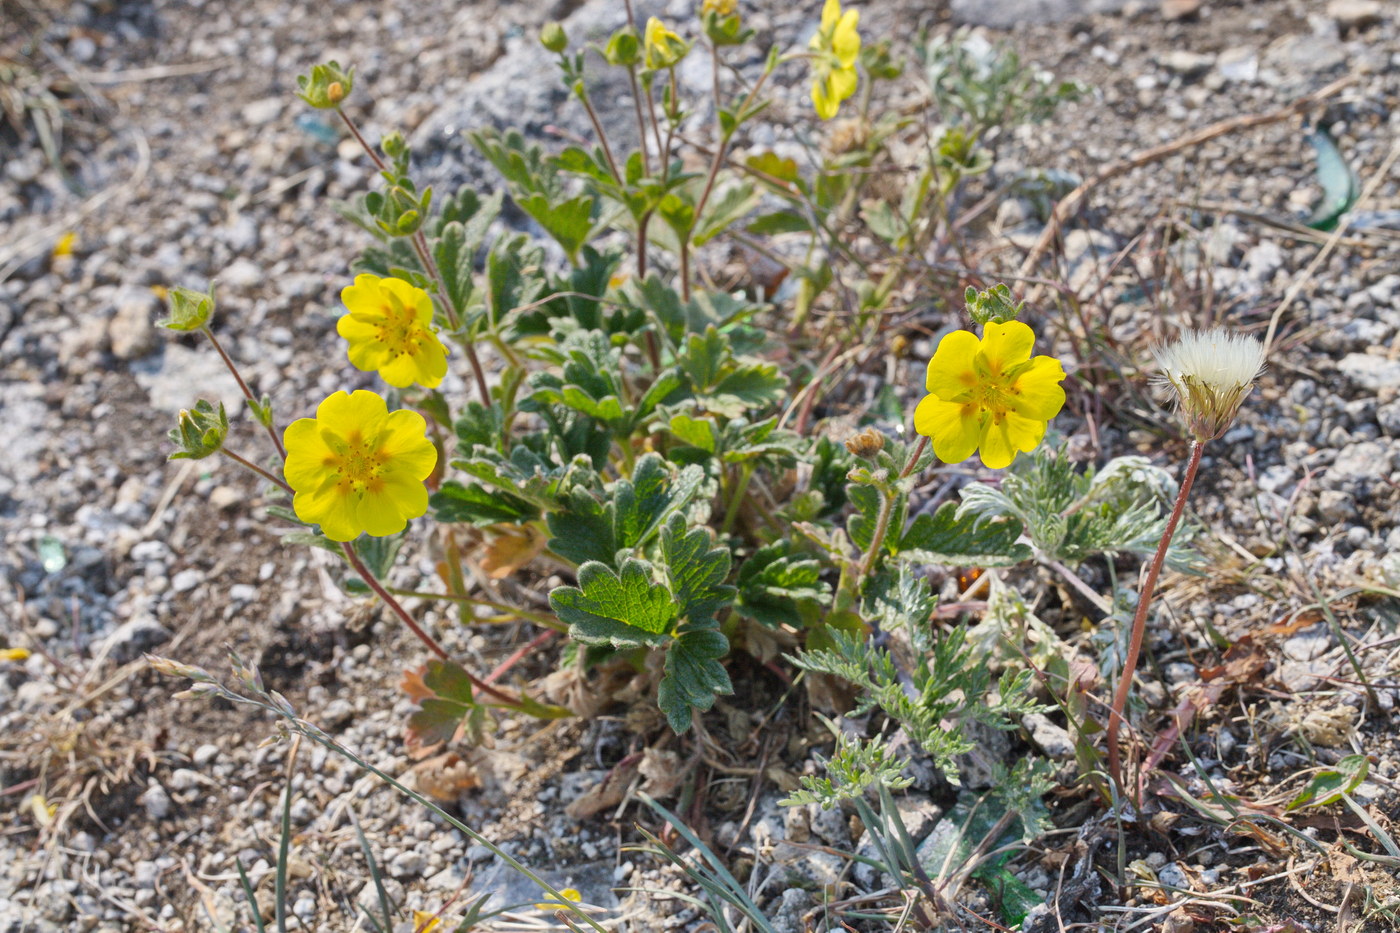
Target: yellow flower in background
x=389, y=326
x=663, y=47
x=570, y=894
x=836, y=46
x=65, y=244
x=989, y=394
x=424, y=922
x=719, y=7
x=14, y=654
x=358, y=467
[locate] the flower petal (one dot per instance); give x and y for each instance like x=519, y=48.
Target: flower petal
x=825, y=106
x=841, y=83
x=1036, y=392
x=344, y=413
x=845, y=41
x=831, y=12
x=1003, y=437
x=950, y=372
x=954, y=428
x=431, y=361
x=399, y=372
x=1005, y=345
x=363, y=295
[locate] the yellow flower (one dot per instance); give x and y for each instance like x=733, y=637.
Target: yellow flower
x=989, y=394
x=357, y=467
x=64, y=246
x=424, y=922
x=570, y=894
x=14, y=654
x=836, y=46
x=663, y=47
x=389, y=325
x=719, y=7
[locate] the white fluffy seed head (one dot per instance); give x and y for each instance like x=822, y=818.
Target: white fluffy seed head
x=1210, y=373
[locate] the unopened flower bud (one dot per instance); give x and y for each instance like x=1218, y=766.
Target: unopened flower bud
x=200, y=432
x=189, y=309
x=393, y=145
x=553, y=37
x=1210, y=373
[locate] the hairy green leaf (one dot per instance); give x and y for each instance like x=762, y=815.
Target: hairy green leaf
x=625, y=610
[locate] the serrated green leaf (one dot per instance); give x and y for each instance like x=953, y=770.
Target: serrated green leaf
x=624, y=610
x=697, y=432
x=471, y=504
x=454, y=262
x=569, y=222
x=703, y=356
x=860, y=526
x=773, y=583
x=696, y=570
x=693, y=674
x=779, y=222
x=944, y=538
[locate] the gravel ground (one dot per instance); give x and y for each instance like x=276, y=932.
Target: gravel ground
x=200, y=164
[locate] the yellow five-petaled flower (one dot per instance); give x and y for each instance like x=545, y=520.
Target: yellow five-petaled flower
x=358, y=467
x=389, y=326
x=835, y=48
x=989, y=394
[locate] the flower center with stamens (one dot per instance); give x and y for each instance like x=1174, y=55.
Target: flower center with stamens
x=400, y=331
x=359, y=467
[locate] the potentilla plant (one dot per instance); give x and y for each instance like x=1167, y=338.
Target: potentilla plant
x=636, y=435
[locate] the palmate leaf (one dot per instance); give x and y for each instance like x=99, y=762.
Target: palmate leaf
x=624, y=610
x=697, y=571
x=471, y=504
x=631, y=514
x=570, y=222
x=693, y=674
x=773, y=584
x=946, y=538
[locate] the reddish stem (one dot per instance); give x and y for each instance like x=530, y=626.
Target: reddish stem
x=1125, y=682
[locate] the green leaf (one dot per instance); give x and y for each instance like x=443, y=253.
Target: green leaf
x=697, y=571
x=773, y=583
x=455, y=502
x=697, y=432
x=861, y=525
x=693, y=674
x=703, y=356
x=1340, y=186
x=622, y=610
x=779, y=222
x=725, y=211
x=1330, y=785
x=755, y=384
x=454, y=261
x=378, y=554
x=439, y=716
x=570, y=222
x=632, y=513
x=513, y=276
x=945, y=538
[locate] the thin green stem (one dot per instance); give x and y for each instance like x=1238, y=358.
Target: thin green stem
x=914, y=458
x=641, y=120
x=1135, y=638
x=598, y=128
x=741, y=489
x=877, y=540
x=250, y=465
x=243, y=386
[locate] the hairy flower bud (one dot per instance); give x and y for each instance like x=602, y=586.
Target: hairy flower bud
x=1210, y=373
x=326, y=86
x=200, y=432
x=189, y=309
x=553, y=37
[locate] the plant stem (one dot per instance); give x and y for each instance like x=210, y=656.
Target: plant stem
x=1125, y=682
x=641, y=120
x=364, y=143
x=250, y=465
x=736, y=498
x=397, y=608
x=598, y=128
x=914, y=458
x=877, y=540
x=247, y=393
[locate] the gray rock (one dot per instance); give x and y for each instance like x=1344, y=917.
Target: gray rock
x=1388, y=417
x=176, y=376
x=155, y=801
x=264, y=111
x=1186, y=63
x=792, y=907
x=1004, y=14
x=1370, y=372
x=408, y=864
x=1354, y=14
x=1308, y=644
x=133, y=638
x=1054, y=740
x=1336, y=506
